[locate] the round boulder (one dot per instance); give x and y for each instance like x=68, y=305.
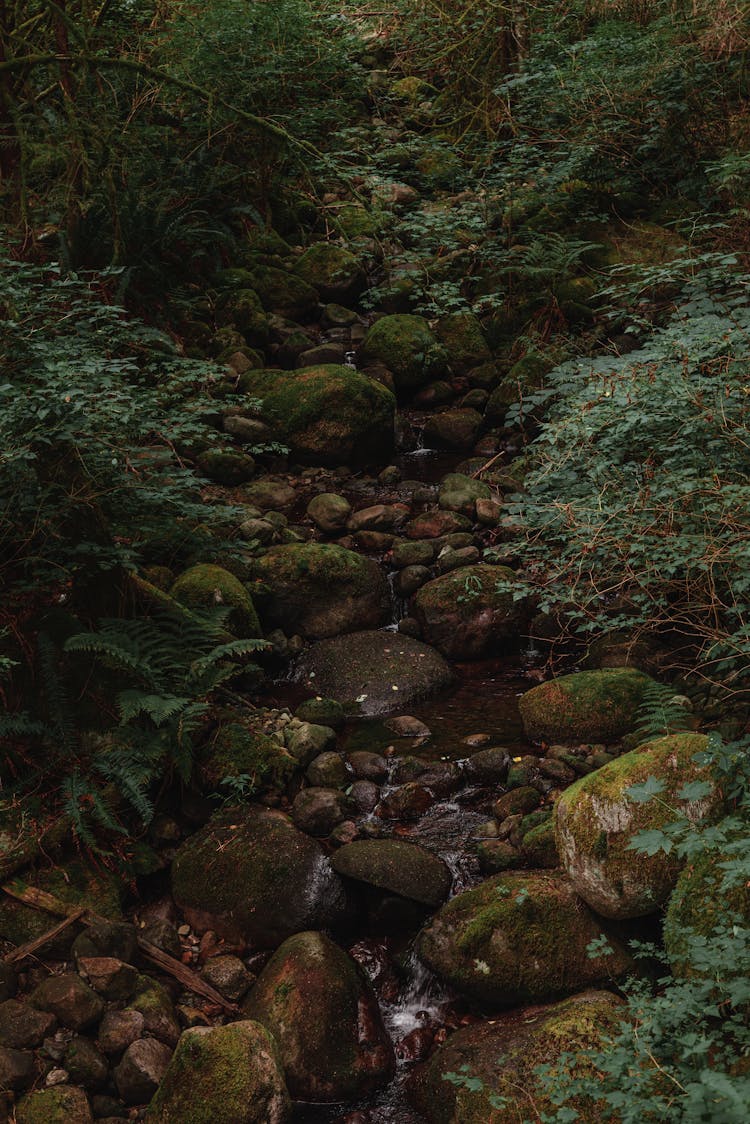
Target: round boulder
x=332, y=270
x=226, y=1074
x=251, y=875
x=463, y=613
x=322, y=1012
x=329, y=414
x=374, y=672
x=518, y=938
x=598, y=818
x=205, y=586
x=586, y=706
x=406, y=346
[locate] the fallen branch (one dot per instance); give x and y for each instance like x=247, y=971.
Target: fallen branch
x=40, y=899
x=31, y=947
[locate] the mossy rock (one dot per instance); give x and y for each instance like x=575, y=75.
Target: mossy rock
x=392, y=864
x=224, y=1074
x=463, y=614
x=63, y=1105
x=244, y=309
x=452, y=429
x=412, y=89
x=698, y=905
x=460, y=493
x=335, y=272
x=374, y=673
x=323, y=712
x=462, y=337
x=205, y=586
x=236, y=749
x=226, y=466
x=440, y=167
x=539, y=847
x=594, y=706
x=596, y=822
x=250, y=875
x=75, y=883
x=329, y=414
x=284, y=293
x=520, y=937
x=406, y=345
x=322, y=1012
x=320, y=590
x=355, y=221
x=503, y=1056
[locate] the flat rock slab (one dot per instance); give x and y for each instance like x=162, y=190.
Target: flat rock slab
x=374, y=673
x=402, y=868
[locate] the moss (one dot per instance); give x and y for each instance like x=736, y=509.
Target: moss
x=504, y=1055
x=322, y=712
x=227, y=1074
x=354, y=221
x=321, y=1010
x=539, y=847
x=283, y=292
x=585, y=706
x=237, y=749
x=226, y=466
x=698, y=905
x=462, y=336
x=596, y=822
x=328, y=414
x=391, y=864
x=516, y=938
x=245, y=310
x=54, y=1106
x=406, y=346
x=464, y=614
x=332, y=270
x=204, y=586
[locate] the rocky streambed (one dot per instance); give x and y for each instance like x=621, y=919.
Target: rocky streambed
x=402, y=835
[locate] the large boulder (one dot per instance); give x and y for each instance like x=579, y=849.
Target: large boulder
x=283, y=292
x=465, y=616
x=374, y=672
x=463, y=338
x=586, y=706
x=223, y=1075
x=328, y=414
x=596, y=821
x=452, y=429
x=500, y=1059
x=406, y=346
x=518, y=938
x=250, y=875
x=321, y=590
x=322, y=1012
x=205, y=586
x=332, y=270
x=237, y=748
x=402, y=868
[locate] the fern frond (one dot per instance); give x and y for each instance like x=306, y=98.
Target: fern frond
x=23, y=726
x=661, y=712
x=159, y=708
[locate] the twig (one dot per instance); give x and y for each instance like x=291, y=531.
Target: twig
x=31, y=947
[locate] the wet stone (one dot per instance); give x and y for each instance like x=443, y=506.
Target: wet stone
x=228, y=975
x=368, y=766
x=22, y=1026
x=86, y=1065
x=16, y=1069
x=328, y=770
x=109, y=977
x=141, y=1070
x=317, y=811
x=365, y=795
x=406, y=803
x=118, y=1029
x=488, y=766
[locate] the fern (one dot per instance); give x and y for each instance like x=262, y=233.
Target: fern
x=661, y=712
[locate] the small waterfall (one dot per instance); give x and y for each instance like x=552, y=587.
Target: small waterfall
x=421, y=1003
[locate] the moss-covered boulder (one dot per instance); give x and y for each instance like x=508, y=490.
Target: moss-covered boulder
x=374, y=673
x=699, y=904
x=406, y=345
x=251, y=875
x=223, y=1075
x=321, y=590
x=465, y=616
x=332, y=270
x=284, y=293
x=322, y=1012
x=328, y=414
x=205, y=586
x=402, y=868
x=591, y=706
x=63, y=1105
x=237, y=748
x=226, y=466
x=452, y=429
x=518, y=938
x=243, y=308
x=503, y=1056
x=462, y=337
x=596, y=821
x=460, y=493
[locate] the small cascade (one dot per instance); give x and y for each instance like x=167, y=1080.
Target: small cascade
x=421, y=1004
x=399, y=607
